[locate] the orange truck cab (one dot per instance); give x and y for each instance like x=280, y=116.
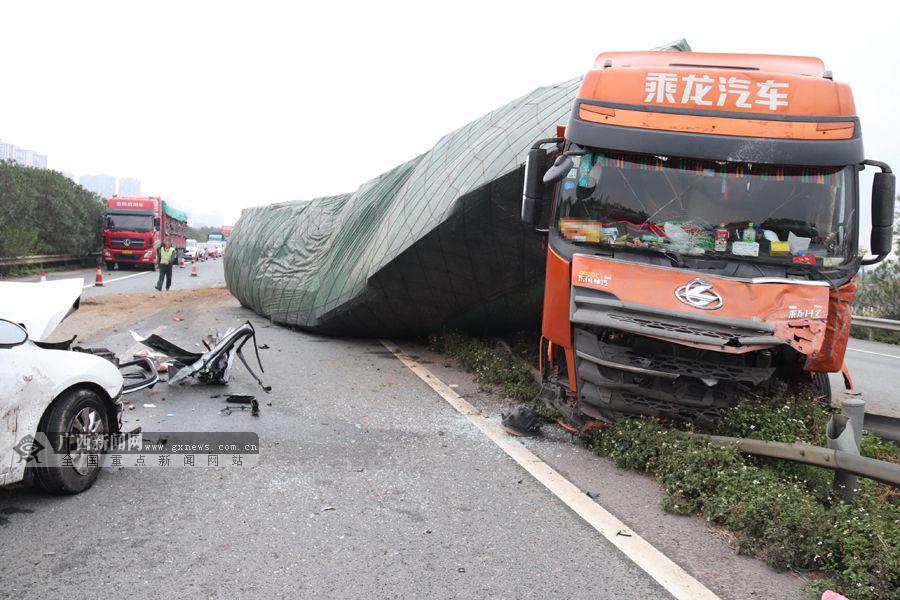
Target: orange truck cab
x=135, y=227
x=702, y=214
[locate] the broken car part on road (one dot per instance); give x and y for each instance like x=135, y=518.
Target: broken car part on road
x=212, y=366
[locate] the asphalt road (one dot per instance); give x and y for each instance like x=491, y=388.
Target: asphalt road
x=369, y=485
x=210, y=273
x=875, y=369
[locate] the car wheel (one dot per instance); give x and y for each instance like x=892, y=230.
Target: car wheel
x=78, y=411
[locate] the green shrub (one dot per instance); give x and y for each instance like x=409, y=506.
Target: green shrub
x=43, y=212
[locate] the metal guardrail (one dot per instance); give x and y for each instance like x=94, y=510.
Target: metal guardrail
x=875, y=323
x=44, y=259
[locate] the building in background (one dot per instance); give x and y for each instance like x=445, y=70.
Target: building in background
x=23, y=156
x=104, y=185
x=129, y=186
x=6, y=151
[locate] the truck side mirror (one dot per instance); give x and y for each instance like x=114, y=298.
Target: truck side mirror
x=883, y=199
x=156, y=222
x=533, y=190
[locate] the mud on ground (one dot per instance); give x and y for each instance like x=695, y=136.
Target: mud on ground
x=115, y=312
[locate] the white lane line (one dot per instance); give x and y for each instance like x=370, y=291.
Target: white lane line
x=105, y=281
x=875, y=353
x=656, y=564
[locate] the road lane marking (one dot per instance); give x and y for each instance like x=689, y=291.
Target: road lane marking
x=105, y=281
x=657, y=565
x=875, y=353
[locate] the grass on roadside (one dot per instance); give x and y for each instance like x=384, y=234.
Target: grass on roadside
x=781, y=512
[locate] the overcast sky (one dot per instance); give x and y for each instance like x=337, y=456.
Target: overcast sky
x=219, y=106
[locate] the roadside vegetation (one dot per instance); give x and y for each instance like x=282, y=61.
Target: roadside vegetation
x=44, y=212
x=200, y=233
x=781, y=512
x=879, y=296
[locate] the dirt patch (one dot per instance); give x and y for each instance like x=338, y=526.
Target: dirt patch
x=100, y=314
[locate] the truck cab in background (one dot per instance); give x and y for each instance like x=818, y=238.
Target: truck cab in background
x=702, y=215
x=135, y=227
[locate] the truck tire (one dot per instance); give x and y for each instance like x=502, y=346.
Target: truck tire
x=823, y=387
x=109, y=266
x=76, y=411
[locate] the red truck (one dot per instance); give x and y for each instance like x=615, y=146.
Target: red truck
x=134, y=227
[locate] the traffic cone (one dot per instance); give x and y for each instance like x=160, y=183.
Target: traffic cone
x=43, y=276
x=99, y=281
x=194, y=268
x=181, y=261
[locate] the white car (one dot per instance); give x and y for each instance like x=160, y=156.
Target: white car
x=50, y=392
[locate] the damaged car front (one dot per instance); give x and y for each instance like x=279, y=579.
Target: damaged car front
x=52, y=393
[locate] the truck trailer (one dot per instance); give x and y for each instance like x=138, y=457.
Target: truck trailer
x=702, y=220
x=135, y=227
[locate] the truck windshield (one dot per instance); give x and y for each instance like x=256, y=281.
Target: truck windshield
x=804, y=215
x=129, y=222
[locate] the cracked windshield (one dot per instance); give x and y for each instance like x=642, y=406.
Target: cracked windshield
x=799, y=215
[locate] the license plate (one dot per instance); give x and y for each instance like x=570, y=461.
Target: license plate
x=127, y=251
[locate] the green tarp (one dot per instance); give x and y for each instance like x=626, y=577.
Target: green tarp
x=178, y=215
x=436, y=242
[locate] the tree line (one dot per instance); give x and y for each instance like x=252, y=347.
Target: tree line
x=44, y=212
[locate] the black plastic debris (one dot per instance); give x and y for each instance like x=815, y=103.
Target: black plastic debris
x=522, y=421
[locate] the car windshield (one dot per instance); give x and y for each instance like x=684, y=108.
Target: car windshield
x=129, y=222
x=802, y=215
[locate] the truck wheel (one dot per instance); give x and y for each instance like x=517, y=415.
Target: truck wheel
x=76, y=412
x=823, y=386
x=109, y=266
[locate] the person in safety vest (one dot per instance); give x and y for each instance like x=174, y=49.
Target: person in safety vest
x=165, y=256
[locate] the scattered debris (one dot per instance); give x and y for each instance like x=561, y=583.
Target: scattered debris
x=242, y=401
x=327, y=508
x=523, y=421
x=623, y=533
x=149, y=406
x=177, y=319
x=238, y=398
x=213, y=366
x=263, y=346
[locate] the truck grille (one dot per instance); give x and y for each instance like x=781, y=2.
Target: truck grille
x=133, y=243
x=588, y=347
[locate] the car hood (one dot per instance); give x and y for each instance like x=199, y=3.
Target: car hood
x=39, y=307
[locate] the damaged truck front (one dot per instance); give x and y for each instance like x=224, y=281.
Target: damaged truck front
x=55, y=398
x=702, y=213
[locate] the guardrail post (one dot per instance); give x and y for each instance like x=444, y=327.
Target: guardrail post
x=844, y=433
